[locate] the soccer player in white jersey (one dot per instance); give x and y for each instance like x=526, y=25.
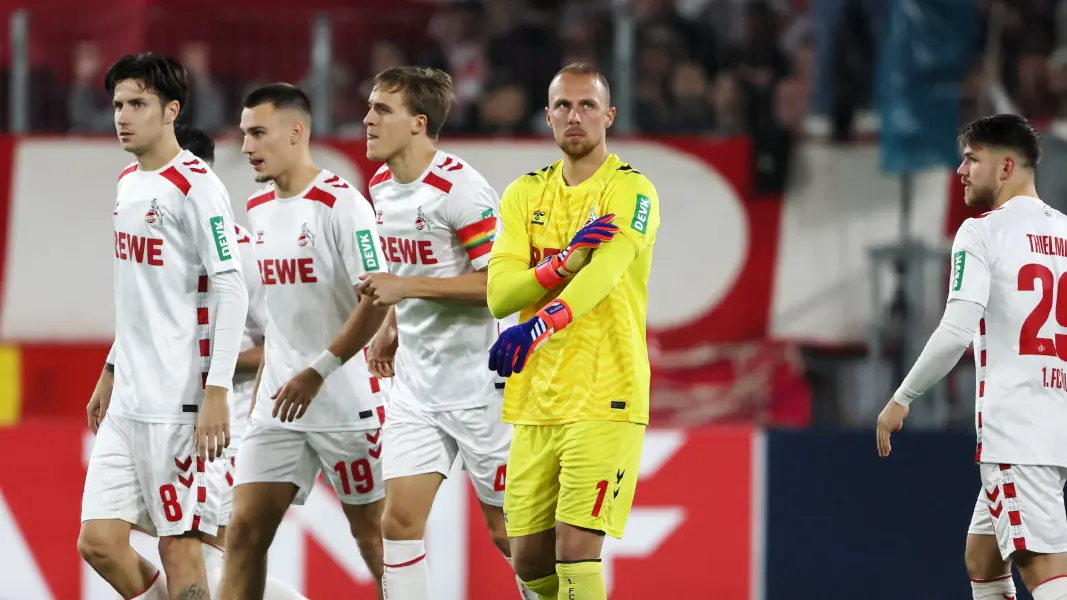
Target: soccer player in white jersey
x=437, y=219
x=220, y=476
x=167, y=411
x=1009, y=292
x=315, y=410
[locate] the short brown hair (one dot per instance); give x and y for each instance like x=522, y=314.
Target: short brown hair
x=582, y=68
x=426, y=92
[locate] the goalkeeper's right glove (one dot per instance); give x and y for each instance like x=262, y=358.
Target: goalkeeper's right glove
x=552, y=270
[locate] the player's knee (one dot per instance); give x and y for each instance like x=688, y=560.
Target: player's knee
x=244, y=536
x=401, y=524
x=96, y=544
x=982, y=558
x=500, y=540
x=529, y=568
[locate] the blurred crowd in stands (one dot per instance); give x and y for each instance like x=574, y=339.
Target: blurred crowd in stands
x=769, y=69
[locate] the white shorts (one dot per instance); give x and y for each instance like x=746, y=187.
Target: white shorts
x=420, y=441
x=1022, y=505
x=147, y=474
x=351, y=461
x=220, y=481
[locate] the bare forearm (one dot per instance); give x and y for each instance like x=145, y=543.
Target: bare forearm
x=249, y=361
x=465, y=289
x=389, y=323
x=361, y=326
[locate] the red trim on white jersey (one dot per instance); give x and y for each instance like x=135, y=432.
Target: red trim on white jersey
x=260, y=199
x=127, y=171
x=172, y=175
x=981, y=386
x=438, y=182
x=380, y=177
x=320, y=195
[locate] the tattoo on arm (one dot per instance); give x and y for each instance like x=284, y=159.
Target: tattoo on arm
x=194, y=592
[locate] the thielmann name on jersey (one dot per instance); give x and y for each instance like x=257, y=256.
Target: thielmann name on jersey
x=404, y=250
x=138, y=249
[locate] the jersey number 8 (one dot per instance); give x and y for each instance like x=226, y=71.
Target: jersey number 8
x=1029, y=342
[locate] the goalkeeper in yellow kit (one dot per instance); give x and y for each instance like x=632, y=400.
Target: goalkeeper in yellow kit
x=572, y=255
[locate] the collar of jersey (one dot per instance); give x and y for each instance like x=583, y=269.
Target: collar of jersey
x=303, y=192
x=169, y=164
x=611, y=162
x=421, y=176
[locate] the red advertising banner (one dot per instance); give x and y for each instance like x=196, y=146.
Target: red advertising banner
x=693, y=518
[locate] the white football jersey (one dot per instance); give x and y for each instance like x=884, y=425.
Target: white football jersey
x=1013, y=262
x=311, y=250
x=174, y=229
x=243, y=383
x=440, y=225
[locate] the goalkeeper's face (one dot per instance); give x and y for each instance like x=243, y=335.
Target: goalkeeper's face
x=579, y=112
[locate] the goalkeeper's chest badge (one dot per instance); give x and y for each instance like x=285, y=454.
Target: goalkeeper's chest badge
x=592, y=217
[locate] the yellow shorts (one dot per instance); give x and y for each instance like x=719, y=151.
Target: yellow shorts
x=582, y=474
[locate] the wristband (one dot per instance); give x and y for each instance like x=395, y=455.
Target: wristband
x=325, y=364
x=547, y=273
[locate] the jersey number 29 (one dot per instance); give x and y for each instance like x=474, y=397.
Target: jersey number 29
x=1029, y=342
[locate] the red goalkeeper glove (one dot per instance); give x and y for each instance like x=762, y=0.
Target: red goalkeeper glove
x=552, y=270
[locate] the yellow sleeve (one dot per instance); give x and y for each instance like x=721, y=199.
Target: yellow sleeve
x=512, y=284
x=636, y=209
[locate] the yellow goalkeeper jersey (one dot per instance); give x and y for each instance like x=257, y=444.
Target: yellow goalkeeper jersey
x=595, y=369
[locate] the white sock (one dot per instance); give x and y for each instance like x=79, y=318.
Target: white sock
x=1052, y=589
x=214, y=557
x=407, y=576
x=523, y=590
x=276, y=590
x=999, y=588
x=157, y=590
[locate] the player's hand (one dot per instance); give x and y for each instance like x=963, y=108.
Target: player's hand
x=555, y=268
x=381, y=352
x=515, y=344
x=292, y=400
x=386, y=289
x=96, y=410
x=213, y=424
x=890, y=421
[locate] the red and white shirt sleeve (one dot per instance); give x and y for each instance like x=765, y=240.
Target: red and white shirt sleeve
x=355, y=235
x=473, y=214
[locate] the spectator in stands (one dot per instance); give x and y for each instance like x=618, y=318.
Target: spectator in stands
x=460, y=49
x=1051, y=180
x=503, y=110
x=207, y=103
x=691, y=108
x=728, y=105
x=88, y=106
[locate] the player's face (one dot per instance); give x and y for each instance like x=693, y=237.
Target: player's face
x=270, y=136
x=390, y=125
x=979, y=174
x=141, y=118
x=578, y=113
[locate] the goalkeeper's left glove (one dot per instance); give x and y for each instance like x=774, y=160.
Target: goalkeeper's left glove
x=553, y=269
x=514, y=346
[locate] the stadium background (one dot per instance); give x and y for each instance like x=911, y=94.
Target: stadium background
x=803, y=151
